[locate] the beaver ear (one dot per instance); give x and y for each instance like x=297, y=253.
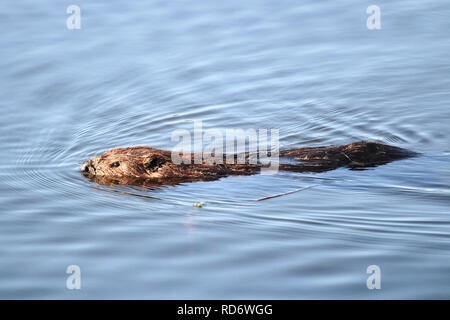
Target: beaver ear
x=154, y=163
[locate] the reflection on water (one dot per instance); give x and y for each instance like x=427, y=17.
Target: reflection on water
x=136, y=72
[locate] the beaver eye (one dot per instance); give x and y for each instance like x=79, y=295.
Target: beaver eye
x=115, y=164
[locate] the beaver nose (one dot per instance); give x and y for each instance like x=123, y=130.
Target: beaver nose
x=86, y=166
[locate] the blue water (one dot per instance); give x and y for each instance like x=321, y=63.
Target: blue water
x=137, y=71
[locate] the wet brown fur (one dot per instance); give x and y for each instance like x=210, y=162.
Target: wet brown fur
x=148, y=166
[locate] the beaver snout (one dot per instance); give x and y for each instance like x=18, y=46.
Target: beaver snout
x=88, y=168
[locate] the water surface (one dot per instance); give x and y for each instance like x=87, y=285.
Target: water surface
x=135, y=72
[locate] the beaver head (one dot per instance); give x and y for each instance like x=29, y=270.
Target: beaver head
x=139, y=162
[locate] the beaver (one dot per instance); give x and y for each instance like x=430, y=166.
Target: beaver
x=147, y=166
